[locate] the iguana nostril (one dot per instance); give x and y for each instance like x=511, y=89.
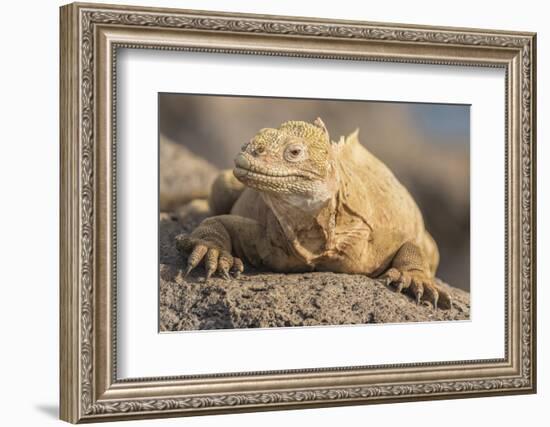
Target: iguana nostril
x=242, y=162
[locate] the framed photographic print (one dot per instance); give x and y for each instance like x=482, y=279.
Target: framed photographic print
x=267, y=212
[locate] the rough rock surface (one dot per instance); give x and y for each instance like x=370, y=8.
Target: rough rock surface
x=260, y=299
x=183, y=176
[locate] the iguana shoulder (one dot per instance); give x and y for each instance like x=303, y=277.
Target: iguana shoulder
x=370, y=190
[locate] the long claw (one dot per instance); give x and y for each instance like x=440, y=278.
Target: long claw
x=405, y=281
x=392, y=275
x=432, y=294
x=445, y=301
x=187, y=271
x=211, y=262
x=417, y=290
x=399, y=288
x=238, y=265
x=196, y=256
x=237, y=268
x=225, y=262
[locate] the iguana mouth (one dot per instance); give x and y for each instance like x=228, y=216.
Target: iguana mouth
x=244, y=168
x=251, y=174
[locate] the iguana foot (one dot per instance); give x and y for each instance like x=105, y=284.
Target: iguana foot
x=421, y=286
x=216, y=259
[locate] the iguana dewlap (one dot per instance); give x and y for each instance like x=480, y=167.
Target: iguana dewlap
x=296, y=202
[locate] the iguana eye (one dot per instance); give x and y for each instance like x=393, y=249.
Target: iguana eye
x=295, y=152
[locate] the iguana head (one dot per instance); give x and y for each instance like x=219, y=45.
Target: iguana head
x=293, y=161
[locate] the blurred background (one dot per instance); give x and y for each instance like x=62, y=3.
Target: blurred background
x=427, y=146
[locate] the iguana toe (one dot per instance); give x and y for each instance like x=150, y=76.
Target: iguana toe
x=196, y=257
x=225, y=262
x=237, y=268
x=417, y=289
x=401, y=281
x=211, y=263
x=216, y=260
x=422, y=287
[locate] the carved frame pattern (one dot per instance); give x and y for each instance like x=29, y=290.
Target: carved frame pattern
x=80, y=401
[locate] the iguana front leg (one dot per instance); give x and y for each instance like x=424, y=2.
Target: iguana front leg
x=222, y=241
x=410, y=269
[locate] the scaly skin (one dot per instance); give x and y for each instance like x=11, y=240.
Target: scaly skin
x=296, y=202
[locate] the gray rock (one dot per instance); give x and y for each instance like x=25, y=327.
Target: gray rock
x=183, y=176
x=260, y=299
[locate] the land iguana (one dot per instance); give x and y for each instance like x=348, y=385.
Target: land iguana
x=297, y=202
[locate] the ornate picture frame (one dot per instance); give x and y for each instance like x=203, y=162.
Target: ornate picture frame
x=90, y=37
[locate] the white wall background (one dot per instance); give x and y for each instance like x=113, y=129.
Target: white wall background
x=29, y=170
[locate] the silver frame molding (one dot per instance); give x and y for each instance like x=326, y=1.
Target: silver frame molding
x=90, y=37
